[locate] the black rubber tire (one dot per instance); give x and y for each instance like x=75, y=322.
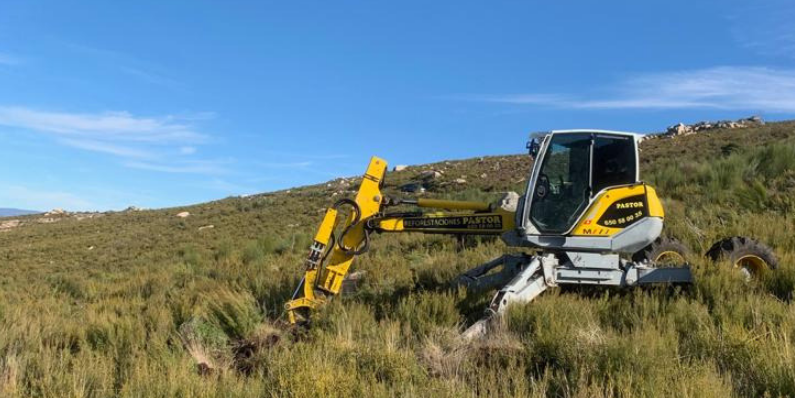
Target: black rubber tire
x=662, y=246
x=740, y=248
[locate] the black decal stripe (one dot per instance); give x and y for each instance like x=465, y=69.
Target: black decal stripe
x=617, y=216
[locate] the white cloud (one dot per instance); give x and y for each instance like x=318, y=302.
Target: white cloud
x=163, y=144
x=126, y=63
x=103, y=147
x=187, y=166
x=9, y=60
x=754, y=89
x=286, y=165
x=766, y=27
x=37, y=199
x=148, y=76
x=526, y=99
x=225, y=186
x=121, y=126
x=302, y=155
x=71, y=198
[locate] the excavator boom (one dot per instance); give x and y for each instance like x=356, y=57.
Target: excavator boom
x=330, y=256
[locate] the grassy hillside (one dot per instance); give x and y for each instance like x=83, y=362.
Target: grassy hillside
x=128, y=303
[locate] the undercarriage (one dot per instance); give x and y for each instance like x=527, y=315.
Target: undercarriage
x=521, y=278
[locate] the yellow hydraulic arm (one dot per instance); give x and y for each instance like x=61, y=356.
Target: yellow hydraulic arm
x=319, y=280
x=330, y=257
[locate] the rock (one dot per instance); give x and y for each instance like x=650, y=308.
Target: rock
x=203, y=227
x=684, y=129
x=679, y=129
x=90, y=248
x=400, y=167
x=92, y=215
x=430, y=174
x=509, y=201
x=700, y=126
x=484, y=175
x=412, y=187
x=6, y=225
x=351, y=282
x=56, y=212
x=460, y=181
x=183, y=214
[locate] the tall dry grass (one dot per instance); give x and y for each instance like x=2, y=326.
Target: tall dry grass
x=154, y=298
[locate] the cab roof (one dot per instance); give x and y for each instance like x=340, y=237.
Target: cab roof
x=626, y=133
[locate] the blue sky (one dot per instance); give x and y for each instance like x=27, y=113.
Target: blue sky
x=104, y=104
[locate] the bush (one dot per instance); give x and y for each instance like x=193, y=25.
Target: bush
x=235, y=313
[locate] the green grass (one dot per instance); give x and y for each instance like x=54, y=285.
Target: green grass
x=128, y=304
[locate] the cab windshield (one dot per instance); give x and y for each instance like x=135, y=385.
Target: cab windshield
x=562, y=188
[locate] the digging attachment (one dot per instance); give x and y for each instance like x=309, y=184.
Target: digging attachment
x=331, y=255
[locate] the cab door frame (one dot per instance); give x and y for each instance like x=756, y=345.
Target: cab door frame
x=526, y=224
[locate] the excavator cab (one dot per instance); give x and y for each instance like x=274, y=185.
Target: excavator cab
x=585, y=193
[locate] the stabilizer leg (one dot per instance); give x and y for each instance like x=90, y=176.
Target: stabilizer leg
x=524, y=287
x=479, y=279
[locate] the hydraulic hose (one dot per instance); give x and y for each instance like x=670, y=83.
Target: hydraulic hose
x=337, y=240
x=356, y=218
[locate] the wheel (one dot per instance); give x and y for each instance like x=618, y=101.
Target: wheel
x=663, y=252
x=750, y=256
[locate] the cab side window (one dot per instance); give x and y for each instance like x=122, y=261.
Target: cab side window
x=613, y=162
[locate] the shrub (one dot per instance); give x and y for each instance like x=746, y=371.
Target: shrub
x=235, y=313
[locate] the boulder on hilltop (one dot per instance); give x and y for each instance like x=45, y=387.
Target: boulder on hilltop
x=680, y=129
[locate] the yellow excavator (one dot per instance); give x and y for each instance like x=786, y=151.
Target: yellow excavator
x=585, y=211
